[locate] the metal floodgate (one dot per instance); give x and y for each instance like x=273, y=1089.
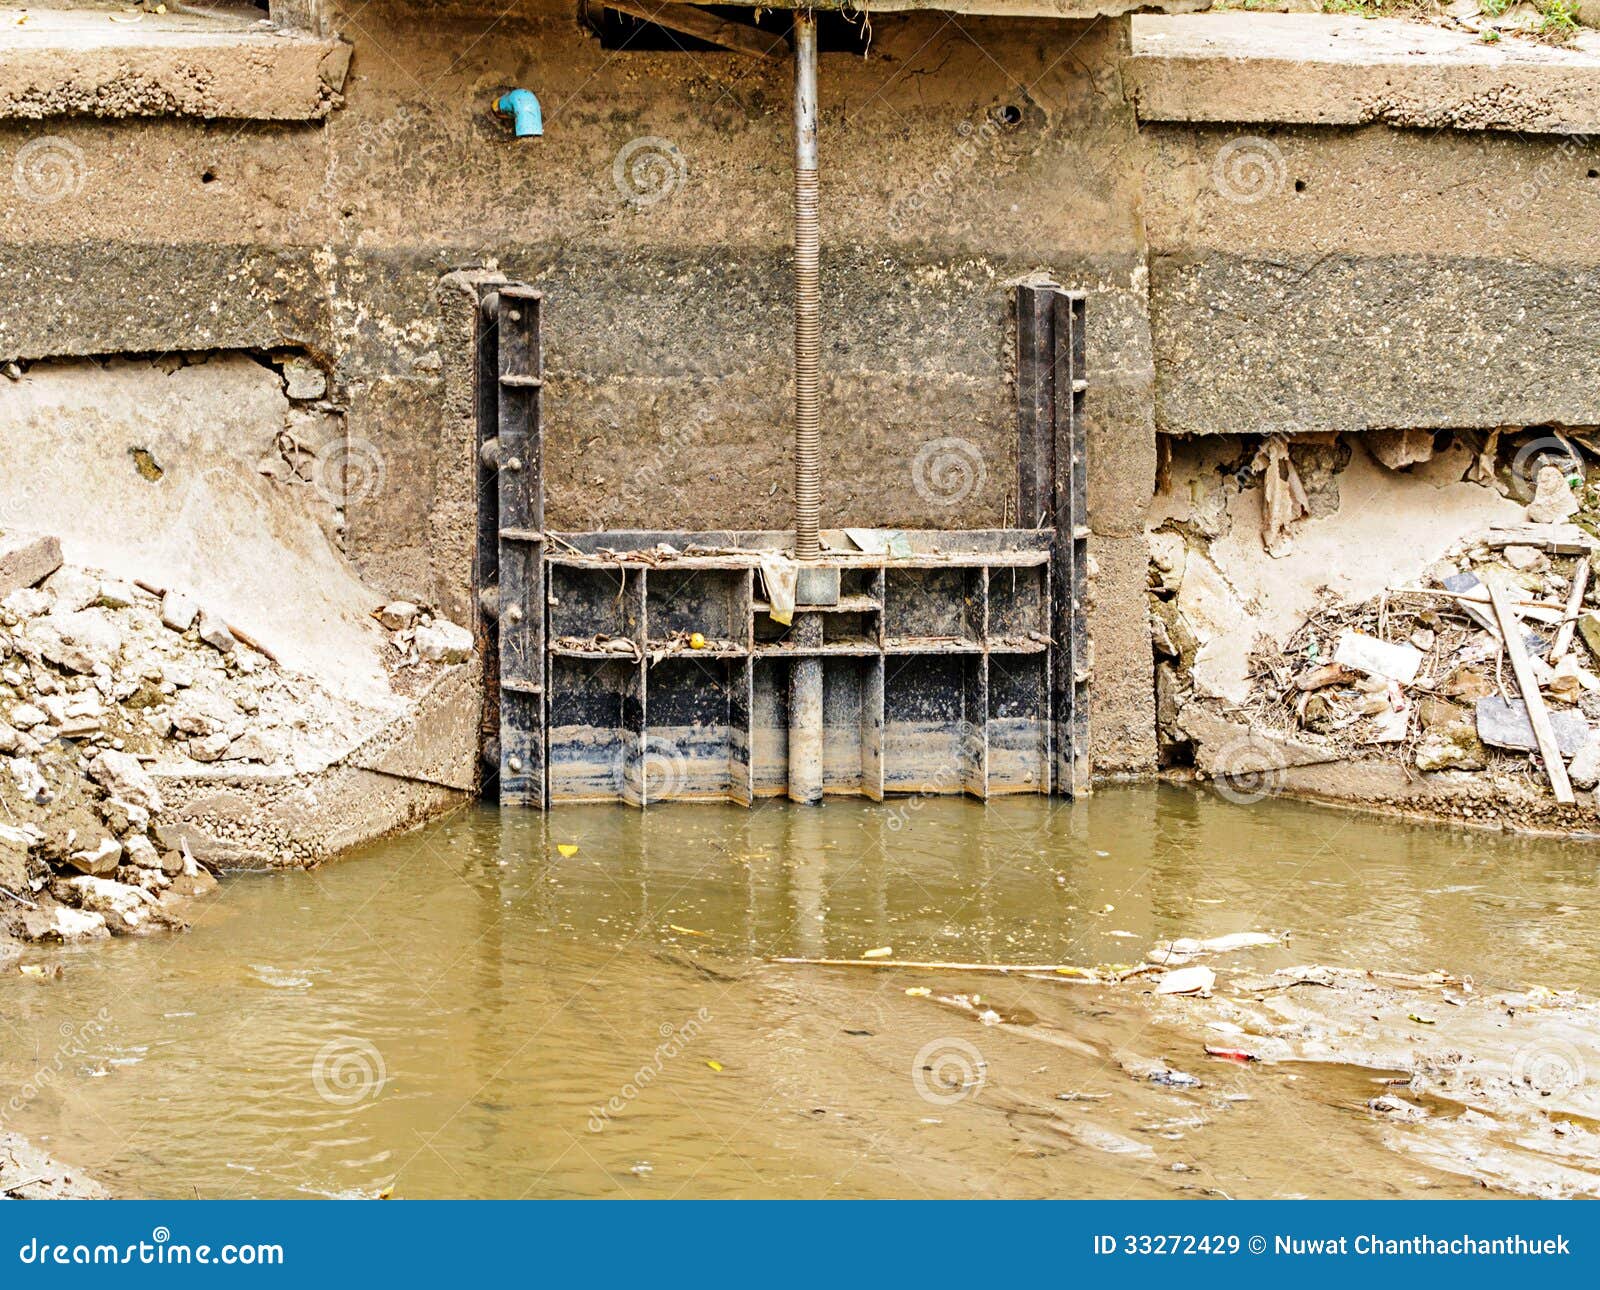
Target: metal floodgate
x=650, y=666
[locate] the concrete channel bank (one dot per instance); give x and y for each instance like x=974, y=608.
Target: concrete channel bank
x=237, y=317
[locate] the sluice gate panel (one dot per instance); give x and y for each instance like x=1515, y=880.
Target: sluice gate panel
x=642, y=667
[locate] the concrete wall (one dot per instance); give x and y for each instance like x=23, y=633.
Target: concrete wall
x=1350, y=279
x=1243, y=279
x=654, y=212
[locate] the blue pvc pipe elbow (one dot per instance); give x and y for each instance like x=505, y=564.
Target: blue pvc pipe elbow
x=526, y=116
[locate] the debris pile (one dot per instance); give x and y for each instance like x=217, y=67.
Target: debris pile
x=102, y=682
x=1491, y=663
x=1462, y=651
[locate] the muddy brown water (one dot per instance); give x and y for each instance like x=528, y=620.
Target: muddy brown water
x=468, y=1012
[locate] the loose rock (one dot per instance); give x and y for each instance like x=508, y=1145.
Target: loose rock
x=178, y=612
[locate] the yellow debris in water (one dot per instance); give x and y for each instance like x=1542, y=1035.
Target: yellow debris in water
x=1421, y=1021
x=715, y=1065
x=567, y=849
x=882, y=952
x=696, y=641
x=918, y=991
x=1106, y=909
x=685, y=931
x=31, y=969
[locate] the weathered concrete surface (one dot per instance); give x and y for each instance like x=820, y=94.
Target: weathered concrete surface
x=437, y=743
x=1340, y=69
x=94, y=63
x=1371, y=278
x=209, y=522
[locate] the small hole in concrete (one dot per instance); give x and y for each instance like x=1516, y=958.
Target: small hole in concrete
x=146, y=464
x=1010, y=114
x=1594, y=174
x=208, y=176
x=1299, y=185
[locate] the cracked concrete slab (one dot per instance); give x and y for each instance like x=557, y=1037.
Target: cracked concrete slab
x=1339, y=69
x=93, y=63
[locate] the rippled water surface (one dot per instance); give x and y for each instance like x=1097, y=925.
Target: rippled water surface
x=467, y=1011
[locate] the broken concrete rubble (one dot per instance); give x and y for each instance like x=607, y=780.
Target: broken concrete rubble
x=1409, y=673
x=1553, y=499
x=1398, y=449
x=26, y=560
x=118, y=708
x=1503, y=723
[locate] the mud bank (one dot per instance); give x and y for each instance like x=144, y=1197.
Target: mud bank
x=26, y=1173
x=1331, y=617
x=1489, y=1086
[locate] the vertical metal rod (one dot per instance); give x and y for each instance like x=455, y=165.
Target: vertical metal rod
x=807, y=294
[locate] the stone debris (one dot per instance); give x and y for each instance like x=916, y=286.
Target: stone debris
x=1398, y=449
x=1503, y=723
x=105, y=688
x=178, y=612
x=215, y=633
x=303, y=379
x=442, y=642
x=1417, y=674
x=26, y=560
x=1553, y=498
x=1584, y=769
x=398, y=615
x=1451, y=747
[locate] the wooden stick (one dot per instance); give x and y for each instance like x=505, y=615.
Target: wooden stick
x=1475, y=597
x=1538, y=714
x=1066, y=971
x=1543, y=610
x=702, y=25
x=1580, y=584
x=249, y=642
